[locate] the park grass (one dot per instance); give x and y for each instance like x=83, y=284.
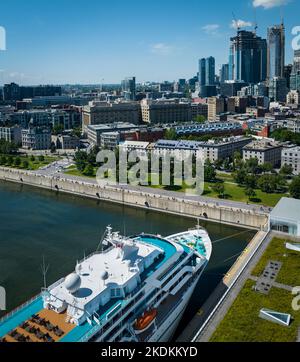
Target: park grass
x=290, y=271
x=32, y=165
x=242, y=322
x=73, y=171
x=234, y=192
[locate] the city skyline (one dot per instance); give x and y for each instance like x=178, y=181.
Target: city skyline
x=114, y=42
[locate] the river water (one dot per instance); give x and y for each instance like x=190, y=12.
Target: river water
x=64, y=228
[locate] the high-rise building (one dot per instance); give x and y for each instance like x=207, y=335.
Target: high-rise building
x=278, y=89
x=202, y=72
x=276, y=51
x=288, y=69
x=129, y=88
x=210, y=70
x=296, y=66
x=295, y=76
x=248, y=57
x=295, y=81
x=207, y=73
x=224, y=73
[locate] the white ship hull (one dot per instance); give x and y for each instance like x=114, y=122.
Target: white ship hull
x=168, y=329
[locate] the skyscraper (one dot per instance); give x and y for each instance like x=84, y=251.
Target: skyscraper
x=202, y=72
x=276, y=51
x=296, y=67
x=129, y=88
x=224, y=73
x=248, y=57
x=210, y=70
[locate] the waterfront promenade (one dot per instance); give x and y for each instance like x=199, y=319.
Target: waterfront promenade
x=224, y=211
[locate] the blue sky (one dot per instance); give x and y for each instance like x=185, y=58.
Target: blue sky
x=85, y=41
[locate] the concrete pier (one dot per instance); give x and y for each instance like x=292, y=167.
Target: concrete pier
x=226, y=212
x=167, y=202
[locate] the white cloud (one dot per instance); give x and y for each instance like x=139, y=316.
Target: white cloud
x=161, y=48
x=268, y=4
x=240, y=24
x=211, y=29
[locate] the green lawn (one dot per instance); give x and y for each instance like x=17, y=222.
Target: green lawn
x=236, y=193
x=242, y=322
x=290, y=271
x=33, y=165
x=72, y=170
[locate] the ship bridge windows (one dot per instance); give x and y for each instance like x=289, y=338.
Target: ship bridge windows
x=115, y=292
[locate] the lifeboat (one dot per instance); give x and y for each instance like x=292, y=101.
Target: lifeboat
x=145, y=321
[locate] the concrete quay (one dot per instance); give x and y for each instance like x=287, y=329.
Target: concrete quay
x=199, y=207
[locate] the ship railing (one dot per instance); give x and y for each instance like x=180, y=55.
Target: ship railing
x=95, y=253
x=19, y=308
x=56, y=284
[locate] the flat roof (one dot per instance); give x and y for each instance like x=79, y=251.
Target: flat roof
x=287, y=209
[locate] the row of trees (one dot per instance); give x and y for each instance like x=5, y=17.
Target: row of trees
x=17, y=161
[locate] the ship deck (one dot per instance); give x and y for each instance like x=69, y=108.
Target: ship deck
x=72, y=333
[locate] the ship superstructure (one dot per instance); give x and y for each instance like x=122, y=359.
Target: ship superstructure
x=137, y=289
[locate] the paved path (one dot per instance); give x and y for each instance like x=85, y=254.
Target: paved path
x=231, y=296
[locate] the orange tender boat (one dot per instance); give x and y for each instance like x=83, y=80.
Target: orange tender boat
x=145, y=321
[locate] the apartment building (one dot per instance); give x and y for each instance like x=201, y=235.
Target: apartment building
x=291, y=157
x=216, y=106
x=104, y=113
x=165, y=111
x=35, y=138
x=11, y=134
x=212, y=150
x=265, y=151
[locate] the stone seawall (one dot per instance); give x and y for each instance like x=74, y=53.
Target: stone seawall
x=147, y=200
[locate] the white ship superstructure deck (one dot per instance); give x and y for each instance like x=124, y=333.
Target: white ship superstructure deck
x=135, y=290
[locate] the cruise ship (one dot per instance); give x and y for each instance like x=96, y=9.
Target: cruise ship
x=135, y=289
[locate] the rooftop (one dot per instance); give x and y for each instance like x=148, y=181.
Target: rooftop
x=287, y=209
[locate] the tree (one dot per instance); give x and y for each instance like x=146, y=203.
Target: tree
x=295, y=188
x=250, y=193
x=41, y=158
x=32, y=158
x=89, y=170
x=271, y=183
x=252, y=165
x=25, y=164
x=80, y=159
x=76, y=132
x=10, y=160
x=267, y=167
x=17, y=161
x=219, y=188
x=3, y=160
x=209, y=172
x=240, y=176
x=250, y=182
x=286, y=170
x=200, y=119
x=171, y=134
